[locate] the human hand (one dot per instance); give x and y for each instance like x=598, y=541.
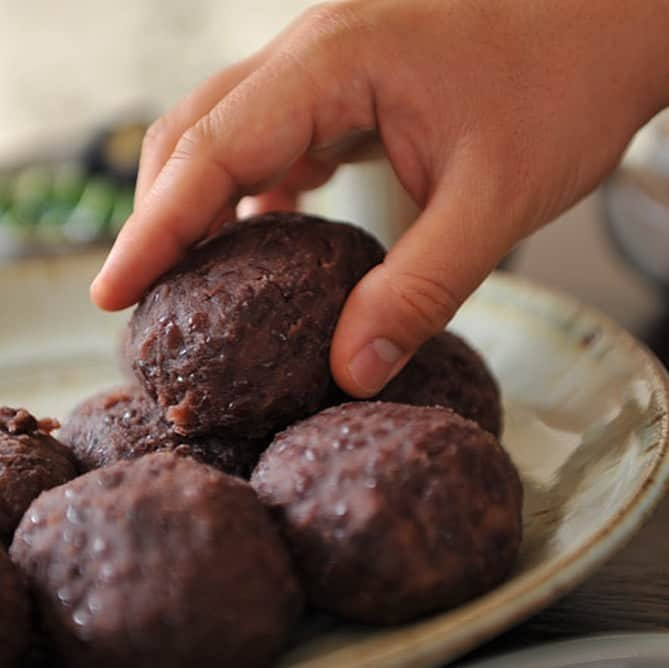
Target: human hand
x=496, y=116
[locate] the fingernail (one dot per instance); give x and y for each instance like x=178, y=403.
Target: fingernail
x=372, y=367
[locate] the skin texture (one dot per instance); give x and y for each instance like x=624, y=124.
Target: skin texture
x=496, y=116
x=14, y=619
x=125, y=423
x=161, y=561
x=238, y=336
x=392, y=511
x=31, y=461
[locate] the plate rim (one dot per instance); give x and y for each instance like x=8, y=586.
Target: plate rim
x=629, y=642
x=516, y=600
x=424, y=644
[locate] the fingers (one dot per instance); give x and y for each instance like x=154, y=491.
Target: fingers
x=410, y=297
x=311, y=90
x=306, y=174
x=214, y=162
x=246, y=144
x=162, y=137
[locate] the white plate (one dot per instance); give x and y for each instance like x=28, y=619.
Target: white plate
x=586, y=423
x=623, y=650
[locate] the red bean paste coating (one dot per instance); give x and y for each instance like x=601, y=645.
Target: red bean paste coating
x=14, y=614
x=31, y=461
x=124, y=361
x=392, y=511
x=125, y=423
x=238, y=335
x=446, y=371
x=159, y=561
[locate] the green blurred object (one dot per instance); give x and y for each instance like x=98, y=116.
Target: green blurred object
x=88, y=220
x=84, y=225
x=50, y=227
x=123, y=207
x=49, y=206
x=5, y=192
x=31, y=191
x=61, y=205
x=69, y=180
x=26, y=211
x=14, y=229
x=99, y=194
x=33, y=182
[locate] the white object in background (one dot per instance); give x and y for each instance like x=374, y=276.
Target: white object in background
x=67, y=67
x=636, y=200
x=367, y=194
x=644, y=147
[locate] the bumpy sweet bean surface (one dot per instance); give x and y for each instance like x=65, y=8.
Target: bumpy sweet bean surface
x=31, y=461
x=14, y=621
x=392, y=511
x=238, y=336
x=160, y=561
x=446, y=371
x=125, y=423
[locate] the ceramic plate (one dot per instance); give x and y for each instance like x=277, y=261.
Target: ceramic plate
x=586, y=423
x=622, y=650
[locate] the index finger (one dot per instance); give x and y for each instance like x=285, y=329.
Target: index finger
x=245, y=142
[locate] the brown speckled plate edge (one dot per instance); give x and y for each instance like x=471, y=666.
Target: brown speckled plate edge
x=449, y=635
x=446, y=636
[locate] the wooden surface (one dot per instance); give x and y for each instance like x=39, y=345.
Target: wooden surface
x=630, y=593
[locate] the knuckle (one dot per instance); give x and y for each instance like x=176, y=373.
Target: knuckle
x=330, y=21
x=199, y=142
x=323, y=42
x=193, y=140
x=157, y=134
x=426, y=301
x=320, y=15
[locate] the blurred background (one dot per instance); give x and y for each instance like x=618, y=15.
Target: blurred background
x=80, y=81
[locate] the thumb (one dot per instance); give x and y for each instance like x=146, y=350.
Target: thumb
x=424, y=279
